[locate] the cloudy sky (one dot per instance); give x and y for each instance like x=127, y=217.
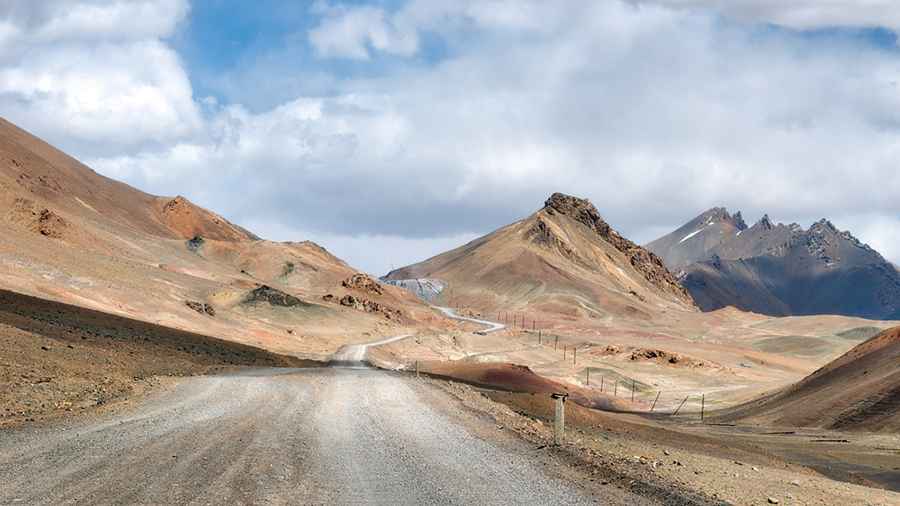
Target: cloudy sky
x=392, y=130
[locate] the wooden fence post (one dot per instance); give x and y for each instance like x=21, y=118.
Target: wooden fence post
x=654, y=401
x=616, y=389
x=702, y=405
x=601, y=383
x=680, y=405
x=559, y=422
x=587, y=371
x=632, y=389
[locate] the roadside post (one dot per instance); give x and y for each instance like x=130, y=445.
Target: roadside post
x=702, y=405
x=680, y=405
x=559, y=423
x=417, y=368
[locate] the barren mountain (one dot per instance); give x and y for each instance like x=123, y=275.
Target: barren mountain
x=563, y=259
x=779, y=269
x=74, y=236
x=858, y=391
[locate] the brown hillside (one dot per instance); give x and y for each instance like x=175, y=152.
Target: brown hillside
x=71, y=235
x=564, y=259
x=31, y=167
x=860, y=390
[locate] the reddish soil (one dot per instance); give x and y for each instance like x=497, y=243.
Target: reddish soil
x=521, y=379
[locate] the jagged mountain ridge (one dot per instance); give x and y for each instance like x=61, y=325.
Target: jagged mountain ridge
x=564, y=258
x=779, y=269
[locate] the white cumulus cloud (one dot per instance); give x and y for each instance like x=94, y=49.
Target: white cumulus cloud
x=655, y=111
x=95, y=75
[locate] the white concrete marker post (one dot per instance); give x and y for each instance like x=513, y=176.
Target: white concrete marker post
x=559, y=425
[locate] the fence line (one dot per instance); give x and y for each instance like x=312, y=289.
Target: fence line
x=543, y=339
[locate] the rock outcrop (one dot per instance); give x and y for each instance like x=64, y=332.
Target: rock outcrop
x=645, y=262
x=186, y=219
x=365, y=305
x=201, y=307
x=363, y=282
x=40, y=220
x=273, y=296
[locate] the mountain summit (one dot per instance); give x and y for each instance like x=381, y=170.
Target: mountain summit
x=563, y=259
x=779, y=269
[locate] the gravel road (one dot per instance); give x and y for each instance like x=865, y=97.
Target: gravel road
x=491, y=326
x=314, y=436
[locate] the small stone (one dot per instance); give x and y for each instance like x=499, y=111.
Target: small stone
x=45, y=348
x=795, y=483
x=755, y=468
x=772, y=500
x=667, y=452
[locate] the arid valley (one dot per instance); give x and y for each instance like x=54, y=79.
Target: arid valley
x=438, y=253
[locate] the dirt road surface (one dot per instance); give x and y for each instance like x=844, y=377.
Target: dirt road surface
x=267, y=436
x=491, y=326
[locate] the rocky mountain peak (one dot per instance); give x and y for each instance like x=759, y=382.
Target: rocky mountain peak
x=765, y=223
x=648, y=264
x=739, y=222
x=578, y=209
x=823, y=226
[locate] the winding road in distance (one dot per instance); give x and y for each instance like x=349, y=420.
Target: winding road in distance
x=451, y=313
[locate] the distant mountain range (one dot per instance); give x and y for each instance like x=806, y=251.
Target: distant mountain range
x=779, y=269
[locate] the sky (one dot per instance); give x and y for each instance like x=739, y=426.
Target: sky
x=390, y=131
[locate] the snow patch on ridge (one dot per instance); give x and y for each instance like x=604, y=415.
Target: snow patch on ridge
x=692, y=234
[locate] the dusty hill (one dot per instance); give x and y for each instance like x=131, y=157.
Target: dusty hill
x=54, y=182
x=779, y=269
x=71, y=235
x=858, y=391
x=58, y=358
x=564, y=259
